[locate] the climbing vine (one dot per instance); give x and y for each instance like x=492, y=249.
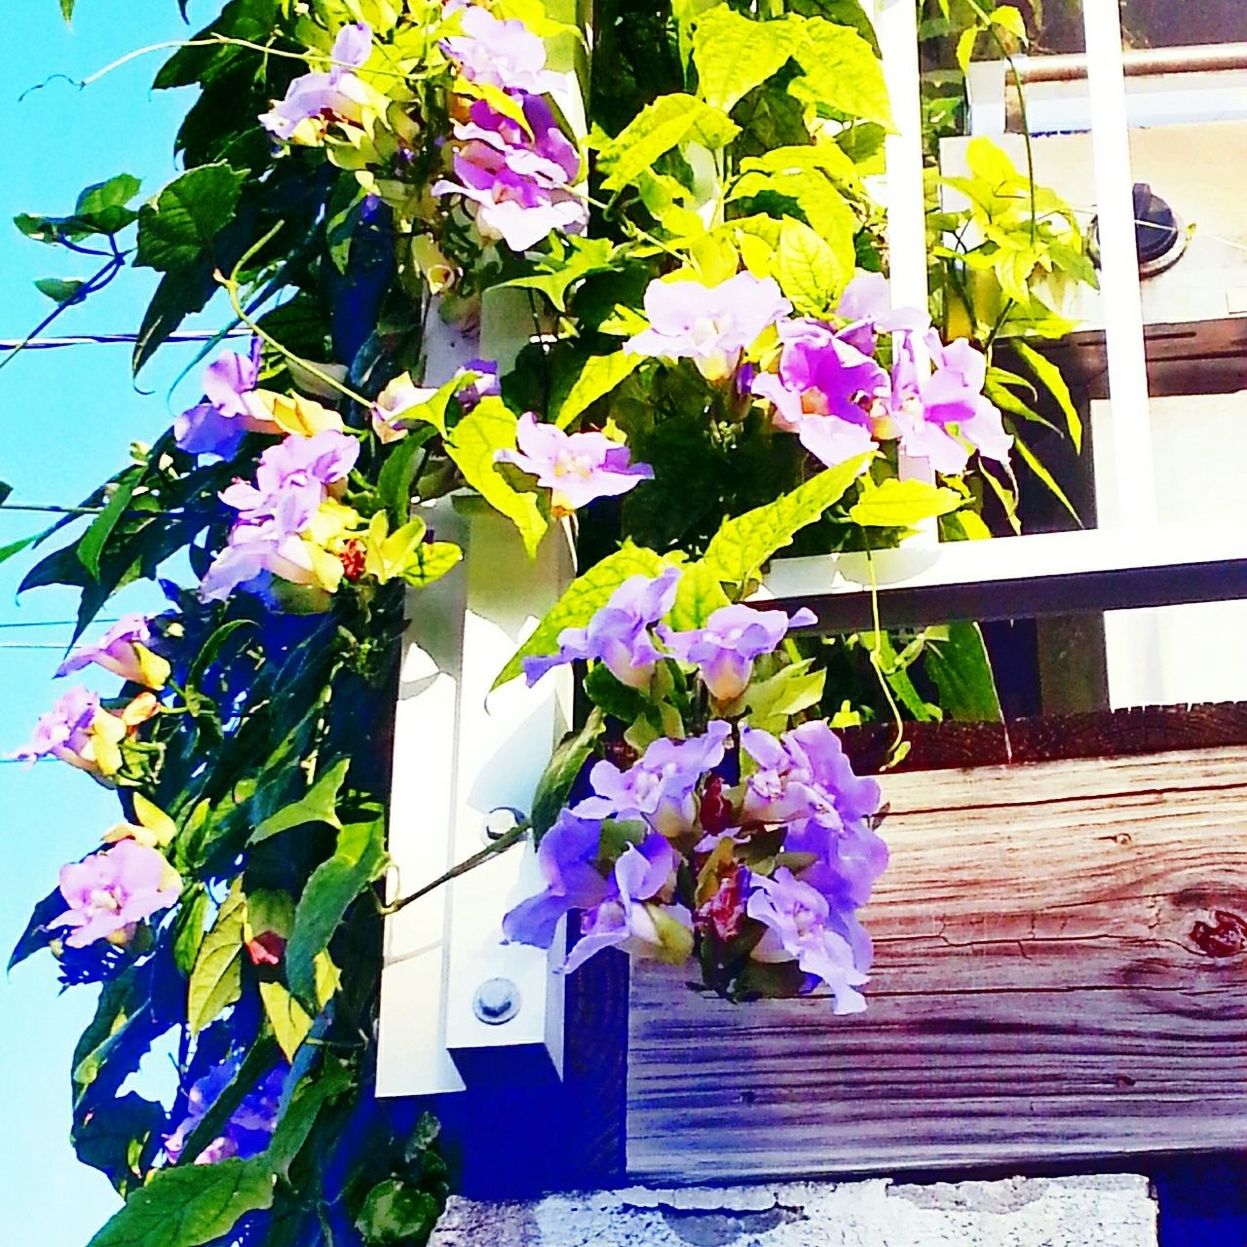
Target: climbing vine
x=698, y=363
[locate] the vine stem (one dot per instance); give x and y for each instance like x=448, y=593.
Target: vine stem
x=504, y=842
x=230, y=285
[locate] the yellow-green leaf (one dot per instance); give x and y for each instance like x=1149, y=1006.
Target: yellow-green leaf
x=668, y=122
x=745, y=542
x=841, y=71
x=902, y=504
x=216, y=979
x=698, y=595
x=474, y=444
x=724, y=74
x=807, y=268
x=290, y=1021
x=600, y=375
x=582, y=598
x=1050, y=375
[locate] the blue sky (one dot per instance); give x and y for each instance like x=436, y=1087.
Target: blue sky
x=68, y=418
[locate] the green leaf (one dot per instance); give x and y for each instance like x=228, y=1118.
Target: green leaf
x=357, y=862
x=725, y=70
x=189, y=1205
x=318, y=806
x=841, y=71
x=902, y=504
x=396, y=1212
x=290, y=1021
x=91, y=545
x=67, y=9
x=399, y=471
x=668, y=122
x=581, y=257
x=581, y=600
x=189, y=929
x=178, y=227
x=962, y=673
x=1050, y=376
x=698, y=595
x=474, y=444
x=771, y=703
x=431, y=560
x=809, y=270
x=600, y=375
x=745, y=542
x=216, y=980
x=6, y=492
x=1033, y=462
x=16, y=547
x=100, y=209
x=566, y=763
x=331, y=1082
x=59, y=289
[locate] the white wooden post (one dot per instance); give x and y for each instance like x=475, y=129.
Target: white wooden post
x=896, y=28
x=450, y=989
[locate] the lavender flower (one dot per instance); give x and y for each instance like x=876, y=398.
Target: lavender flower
x=632, y=916
x=922, y=410
x=823, y=391
x=660, y=787
x=575, y=467
x=805, y=774
x=230, y=410
x=500, y=54
x=123, y=650
x=288, y=517
x=711, y=325
x=566, y=857
x=867, y=305
x=618, y=634
x=110, y=892
x=724, y=650
x=249, y=1128
x=79, y=731
x=796, y=917
x=317, y=100
x=519, y=180
x=398, y=398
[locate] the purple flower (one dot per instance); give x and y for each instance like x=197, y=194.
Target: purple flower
x=711, y=325
x=796, y=917
x=619, y=633
x=501, y=54
x=575, y=467
x=316, y=100
x=519, y=181
x=64, y=731
x=823, y=391
x=566, y=857
x=733, y=637
x=661, y=787
x=484, y=383
x=867, y=305
x=109, y=892
x=250, y=1127
x=230, y=409
x=125, y=651
x=922, y=409
x=632, y=915
x=805, y=774
x=393, y=403
x=291, y=495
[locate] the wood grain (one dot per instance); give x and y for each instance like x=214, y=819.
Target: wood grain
x=1059, y=974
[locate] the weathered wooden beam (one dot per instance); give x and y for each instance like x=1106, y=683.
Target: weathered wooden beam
x=1059, y=966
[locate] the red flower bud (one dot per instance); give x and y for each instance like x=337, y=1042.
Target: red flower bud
x=716, y=812
x=353, y=559
x=266, y=949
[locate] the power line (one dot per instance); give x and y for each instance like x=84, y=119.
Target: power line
x=113, y=339
x=51, y=623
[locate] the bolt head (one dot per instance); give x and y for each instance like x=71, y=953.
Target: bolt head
x=497, y=1000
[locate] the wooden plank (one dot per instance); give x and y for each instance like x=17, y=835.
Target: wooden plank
x=1047, y=738
x=1059, y=974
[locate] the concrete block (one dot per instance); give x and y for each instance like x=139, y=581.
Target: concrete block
x=1084, y=1211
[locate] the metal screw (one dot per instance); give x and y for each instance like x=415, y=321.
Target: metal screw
x=499, y=821
x=496, y=1001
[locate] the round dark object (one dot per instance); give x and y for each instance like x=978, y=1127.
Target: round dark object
x=1159, y=235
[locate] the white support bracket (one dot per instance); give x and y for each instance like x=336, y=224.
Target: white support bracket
x=450, y=989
